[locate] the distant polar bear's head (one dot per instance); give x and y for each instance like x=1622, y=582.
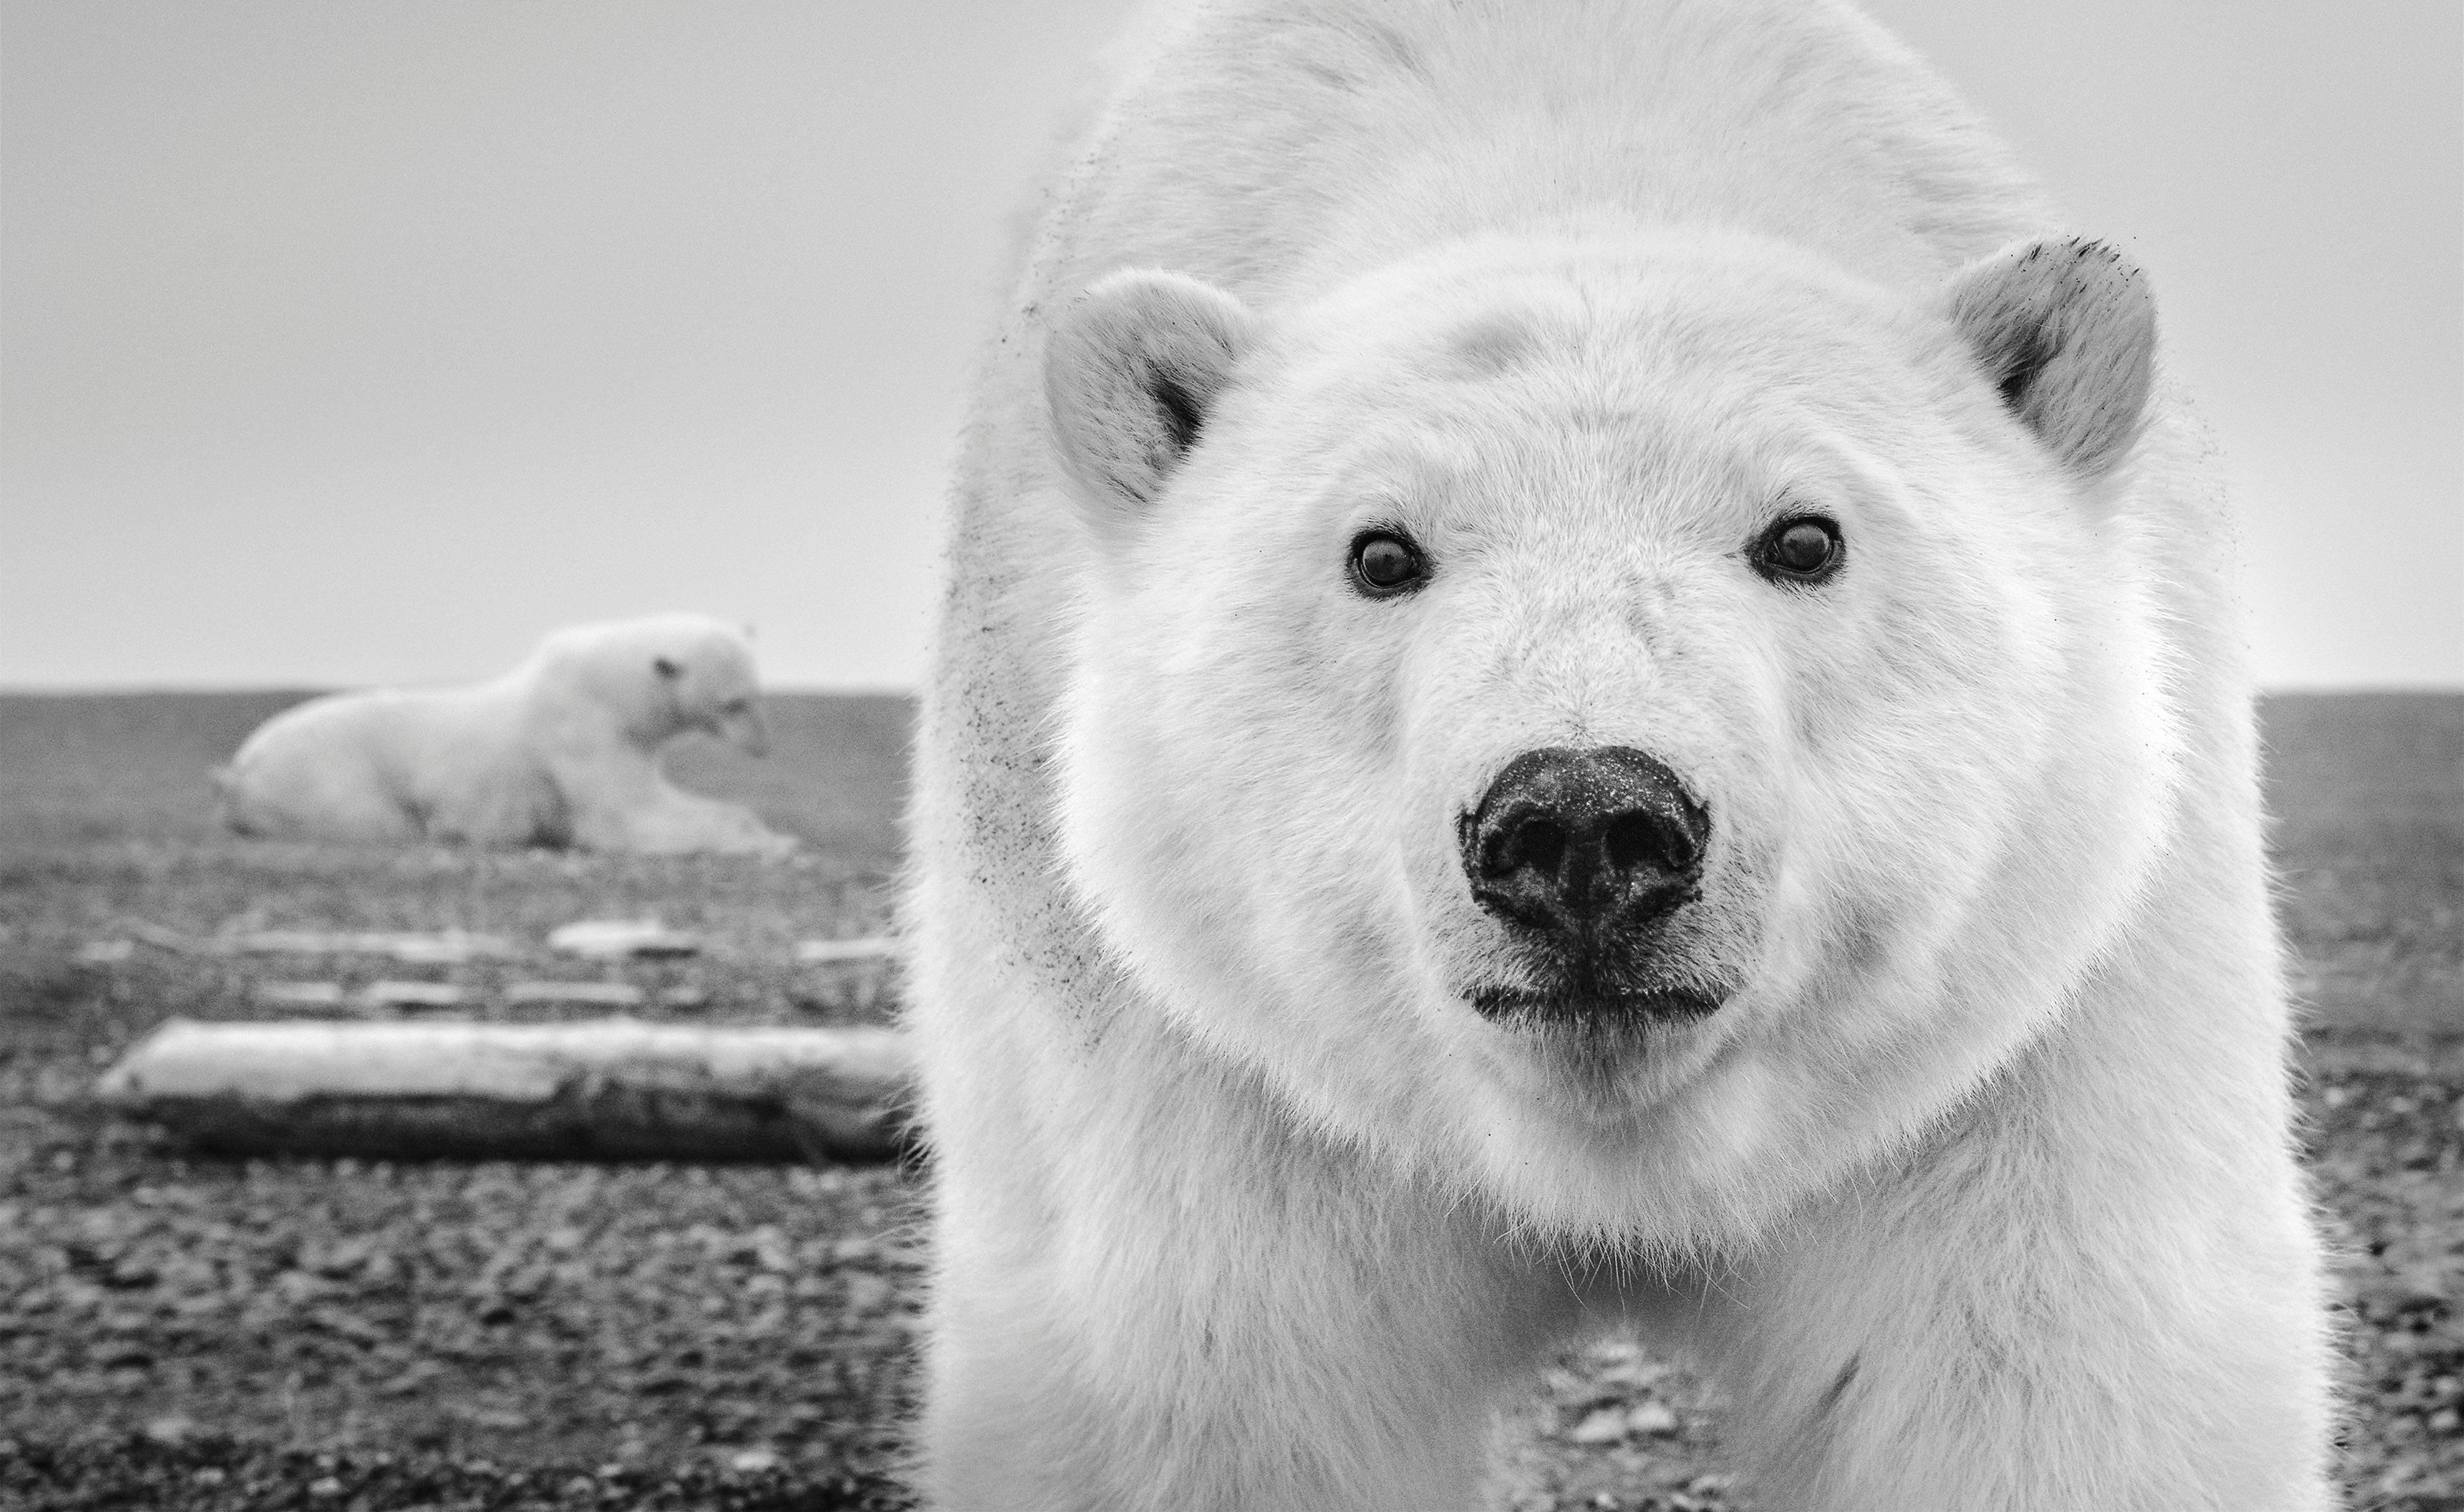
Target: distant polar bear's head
x=662, y=675
x=1623, y=725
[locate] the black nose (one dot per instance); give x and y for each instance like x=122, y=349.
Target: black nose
x=1570, y=841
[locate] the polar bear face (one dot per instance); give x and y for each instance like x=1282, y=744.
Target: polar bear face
x=710, y=685
x=1627, y=726
x=662, y=675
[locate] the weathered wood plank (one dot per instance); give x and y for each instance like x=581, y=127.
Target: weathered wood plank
x=610, y=1089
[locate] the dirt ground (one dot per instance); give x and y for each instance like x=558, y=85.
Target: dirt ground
x=180, y=1332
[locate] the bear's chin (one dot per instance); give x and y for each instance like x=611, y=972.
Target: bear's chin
x=1602, y=1017
x=1597, y=1063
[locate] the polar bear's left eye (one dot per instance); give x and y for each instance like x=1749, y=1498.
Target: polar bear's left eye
x=1386, y=563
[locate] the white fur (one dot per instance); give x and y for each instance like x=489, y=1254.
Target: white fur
x=1977, y=1189
x=563, y=750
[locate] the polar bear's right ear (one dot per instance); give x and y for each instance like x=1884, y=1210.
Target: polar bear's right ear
x=1131, y=372
x=2067, y=331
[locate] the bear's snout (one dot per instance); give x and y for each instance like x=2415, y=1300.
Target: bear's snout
x=1566, y=840
x=1582, y=850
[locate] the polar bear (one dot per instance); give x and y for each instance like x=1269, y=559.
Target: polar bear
x=1589, y=682
x=561, y=751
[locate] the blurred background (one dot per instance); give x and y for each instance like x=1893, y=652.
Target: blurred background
x=364, y=342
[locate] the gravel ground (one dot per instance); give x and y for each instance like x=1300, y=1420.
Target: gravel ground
x=195, y=1333
x=184, y=1333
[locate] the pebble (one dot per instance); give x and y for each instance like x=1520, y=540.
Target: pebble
x=1605, y=1425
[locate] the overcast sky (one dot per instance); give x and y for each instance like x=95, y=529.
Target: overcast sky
x=364, y=342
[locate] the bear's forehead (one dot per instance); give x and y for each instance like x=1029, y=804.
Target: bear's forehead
x=1722, y=375
x=1626, y=314
x=1630, y=479
x=1579, y=420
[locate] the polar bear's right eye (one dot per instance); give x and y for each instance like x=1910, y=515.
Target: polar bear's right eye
x=1386, y=563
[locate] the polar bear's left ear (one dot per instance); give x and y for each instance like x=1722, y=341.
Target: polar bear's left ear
x=1131, y=373
x=2066, y=330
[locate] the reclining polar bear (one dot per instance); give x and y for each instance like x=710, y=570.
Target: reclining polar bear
x=1582, y=688
x=561, y=751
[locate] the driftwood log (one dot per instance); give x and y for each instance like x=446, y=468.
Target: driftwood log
x=609, y=1089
